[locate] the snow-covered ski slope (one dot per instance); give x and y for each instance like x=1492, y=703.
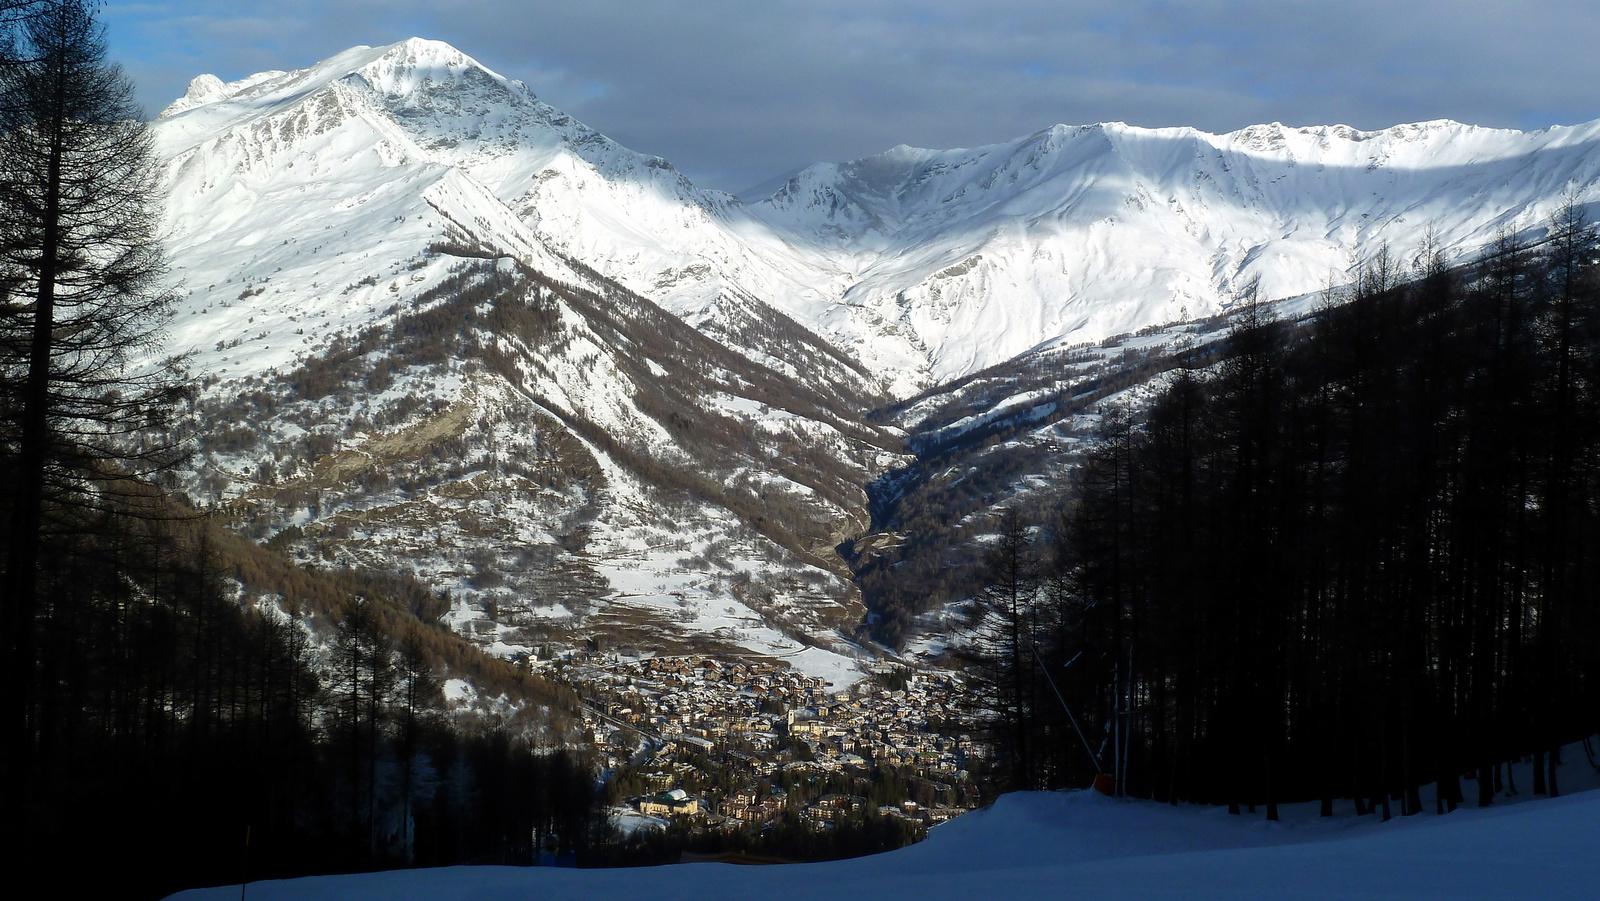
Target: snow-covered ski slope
x=925, y=265
x=1082, y=845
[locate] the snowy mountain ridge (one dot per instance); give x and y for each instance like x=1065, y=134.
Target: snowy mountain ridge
x=927, y=265
x=659, y=425
x=1073, y=234
x=403, y=371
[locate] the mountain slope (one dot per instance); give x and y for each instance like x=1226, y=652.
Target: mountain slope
x=401, y=372
x=1072, y=234
x=400, y=270
x=918, y=265
x=416, y=143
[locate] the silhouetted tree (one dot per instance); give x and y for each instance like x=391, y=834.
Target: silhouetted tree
x=1000, y=657
x=1356, y=556
x=363, y=678
x=80, y=295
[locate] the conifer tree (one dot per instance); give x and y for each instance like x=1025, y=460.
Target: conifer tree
x=81, y=297
x=1000, y=660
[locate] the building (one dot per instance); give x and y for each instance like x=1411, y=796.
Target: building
x=674, y=803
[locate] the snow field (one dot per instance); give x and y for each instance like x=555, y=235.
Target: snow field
x=1080, y=844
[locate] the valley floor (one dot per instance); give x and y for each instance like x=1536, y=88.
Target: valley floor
x=1079, y=844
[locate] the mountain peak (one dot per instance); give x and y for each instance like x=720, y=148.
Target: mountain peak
x=425, y=48
x=417, y=64
x=905, y=152
x=207, y=89
x=1085, y=230
x=423, y=54
x=394, y=69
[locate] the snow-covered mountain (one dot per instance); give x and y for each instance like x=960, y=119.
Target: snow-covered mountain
x=445, y=325
x=922, y=265
x=1076, y=234
x=403, y=371
x=375, y=153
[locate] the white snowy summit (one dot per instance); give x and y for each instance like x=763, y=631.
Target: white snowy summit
x=394, y=272
x=924, y=265
x=446, y=325
x=1072, y=234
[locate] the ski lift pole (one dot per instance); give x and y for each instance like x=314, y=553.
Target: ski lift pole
x=244, y=869
x=1099, y=771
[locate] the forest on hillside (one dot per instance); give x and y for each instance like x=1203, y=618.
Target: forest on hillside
x=1358, y=555
x=170, y=718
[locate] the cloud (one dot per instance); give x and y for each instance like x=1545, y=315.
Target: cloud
x=735, y=92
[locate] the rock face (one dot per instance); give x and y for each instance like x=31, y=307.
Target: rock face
x=447, y=326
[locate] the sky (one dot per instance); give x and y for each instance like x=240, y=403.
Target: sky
x=736, y=94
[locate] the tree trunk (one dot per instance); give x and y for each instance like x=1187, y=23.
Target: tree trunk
x=1272, y=795
x=22, y=558
x=1449, y=793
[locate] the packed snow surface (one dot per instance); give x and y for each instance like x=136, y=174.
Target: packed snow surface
x=1079, y=844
